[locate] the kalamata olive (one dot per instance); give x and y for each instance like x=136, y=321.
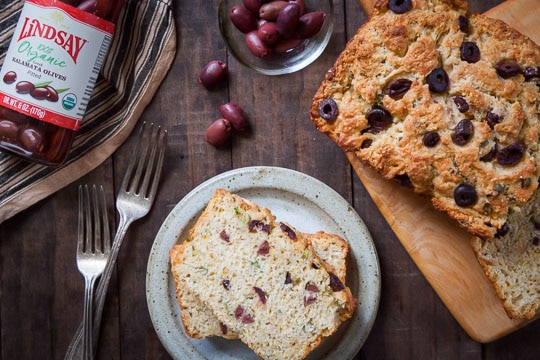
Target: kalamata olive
x=507, y=68
x=287, y=19
x=465, y=195
x=268, y=33
x=302, y=4
x=24, y=87
x=530, y=72
x=328, y=109
x=463, y=23
x=53, y=95
x=256, y=46
x=461, y=104
x=511, y=154
x=431, y=139
x=463, y=132
x=235, y=114
x=310, y=24
x=379, y=118
x=243, y=19
x=213, y=74
x=39, y=93
x=8, y=130
x=493, y=119
x=400, y=6
x=30, y=139
x=261, y=22
x=503, y=230
x=253, y=6
x=10, y=77
x=103, y=8
x=270, y=11
x=366, y=143
x=284, y=45
x=398, y=88
x=88, y=6
x=218, y=133
x=469, y=52
x=490, y=155
x=438, y=80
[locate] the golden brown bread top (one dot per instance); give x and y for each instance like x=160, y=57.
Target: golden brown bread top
x=472, y=147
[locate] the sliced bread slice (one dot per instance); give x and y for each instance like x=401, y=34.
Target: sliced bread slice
x=200, y=322
x=261, y=279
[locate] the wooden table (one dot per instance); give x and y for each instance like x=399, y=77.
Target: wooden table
x=41, y=290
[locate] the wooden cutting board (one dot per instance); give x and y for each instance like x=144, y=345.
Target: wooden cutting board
x=438, y=246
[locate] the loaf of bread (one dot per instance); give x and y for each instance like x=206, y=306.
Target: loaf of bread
x=200, y=322
x=261, y=279
x=512, y=262
x=443, y=101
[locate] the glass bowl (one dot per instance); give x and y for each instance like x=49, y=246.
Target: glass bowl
x=277, y=63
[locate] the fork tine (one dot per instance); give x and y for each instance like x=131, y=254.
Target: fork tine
x=81, y=229
x=96, y=243
x=105, y=223
x=153, y=167
x=87, y=221
x=141, y=165
x=127, y=182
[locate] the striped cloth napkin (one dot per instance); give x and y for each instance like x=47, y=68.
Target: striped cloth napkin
x=142, y=51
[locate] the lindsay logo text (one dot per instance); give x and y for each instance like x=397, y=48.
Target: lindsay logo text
x=72, y=44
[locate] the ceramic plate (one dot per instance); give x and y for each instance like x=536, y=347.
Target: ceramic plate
x=304, y=202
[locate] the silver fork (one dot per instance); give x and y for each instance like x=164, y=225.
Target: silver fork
x=134, y=201
x=93, y=249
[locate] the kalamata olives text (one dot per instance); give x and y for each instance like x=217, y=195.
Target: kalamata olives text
x=243, y=19
x=218, y=133
x=24, y=87
x=10, y=77
x=236, y=116
x=214, y=73
x=310, y=24
x=256, y=46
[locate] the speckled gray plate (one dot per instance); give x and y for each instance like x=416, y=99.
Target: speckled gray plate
x=307, y=204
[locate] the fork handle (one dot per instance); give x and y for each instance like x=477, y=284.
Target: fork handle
x=75, y=349
x=88, y=339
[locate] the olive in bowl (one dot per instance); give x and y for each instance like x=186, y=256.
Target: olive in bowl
x=276, y=37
